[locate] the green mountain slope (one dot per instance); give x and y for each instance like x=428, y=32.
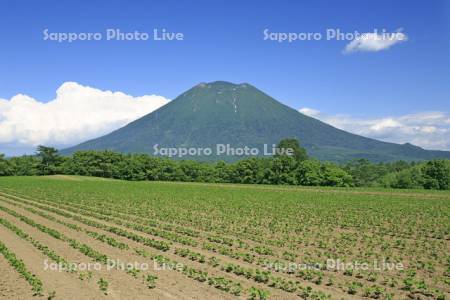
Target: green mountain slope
x=241, y=115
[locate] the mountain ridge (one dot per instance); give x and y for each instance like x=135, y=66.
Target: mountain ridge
x=221, y=112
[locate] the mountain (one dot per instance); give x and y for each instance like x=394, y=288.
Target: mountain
x=241, y=115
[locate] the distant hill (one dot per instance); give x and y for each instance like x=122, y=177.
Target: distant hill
x=241, y=115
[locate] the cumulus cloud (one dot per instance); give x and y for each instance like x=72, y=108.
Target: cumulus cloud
x=76, y=114
x=374, y=42
x=309, y=111
x=430, y=130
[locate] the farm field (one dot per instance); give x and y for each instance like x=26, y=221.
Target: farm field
x=69, y=237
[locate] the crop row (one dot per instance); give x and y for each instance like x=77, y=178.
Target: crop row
x=248, y=257
x=281, y=283
x=112, y=215
x=19, y=266
x=38, y=245
x=103, y=214
x=160, y=245
x=100, y=237
x=346, y=242
x=111, y=210
x=245, y=256
x=82, y=248
x=218, y=282
x=225, y=284
x=222, y=250
x=259, y=276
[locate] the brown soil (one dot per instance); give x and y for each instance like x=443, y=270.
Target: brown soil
x=12, y=285
x=182, y=283
x=170, y=284
x=64, y=284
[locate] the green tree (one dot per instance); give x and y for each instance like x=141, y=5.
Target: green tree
x=196, y=171
x=283, y=170
x=436, y=174
x=249, y=170
x=364, y=172
x=332, y=175
x=401, y=180
x=223, y=172
x=95, y=163
x=49, y=158
x=25, y=165
x=298, y=153
x=308, y=173
x=5, y=168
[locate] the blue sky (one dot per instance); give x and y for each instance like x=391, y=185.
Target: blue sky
x=223, y=40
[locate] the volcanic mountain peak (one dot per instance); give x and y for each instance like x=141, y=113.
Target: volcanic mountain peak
x=221, y=112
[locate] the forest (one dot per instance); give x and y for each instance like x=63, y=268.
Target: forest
x=296, y=169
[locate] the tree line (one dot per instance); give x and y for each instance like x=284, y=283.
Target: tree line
x=296, y=169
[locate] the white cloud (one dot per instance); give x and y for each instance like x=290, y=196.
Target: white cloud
x=76, y=114
x=374, y=42
x=430, y=130
x=309, y=111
